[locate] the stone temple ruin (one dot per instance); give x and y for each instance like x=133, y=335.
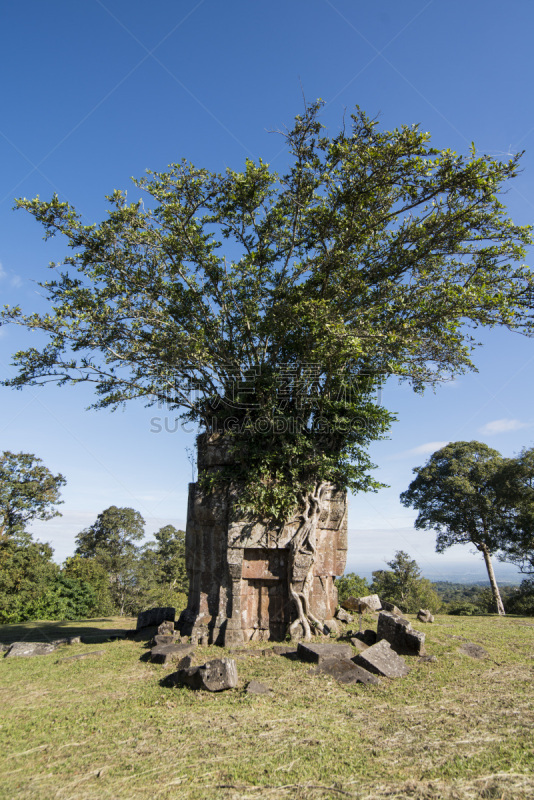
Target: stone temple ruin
x=239, y=570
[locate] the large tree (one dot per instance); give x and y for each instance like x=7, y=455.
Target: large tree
x=457, y=495
x=28, y=491
x=515, y=487
x=269, y=307
x=111, y=540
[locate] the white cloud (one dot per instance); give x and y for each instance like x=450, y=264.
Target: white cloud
x=421, y=450
x=503, y=426
x=16, y=281
x=3, y=273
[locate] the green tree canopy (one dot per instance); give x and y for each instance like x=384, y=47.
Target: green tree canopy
x=111, y=540
x=515, y=487
x=28, y=491
x=162, y=572
x=403, y=585
x=252, y=300
x=456, y=495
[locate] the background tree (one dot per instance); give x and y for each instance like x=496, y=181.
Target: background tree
x=514, y=486
x=351, y=585
x=367, y=258
x=90, y=571
x=111, y=540
x=26, y=575
x=455, y=494
x=28, y=491
x=403, y=585
x=161, y=570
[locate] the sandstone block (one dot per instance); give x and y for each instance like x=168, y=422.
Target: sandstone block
x=381, y=659
x=214, y=676
x=392, y=608
x=399, y=633
x=346, y=671
x=343, y=616
x=308, y=651
x=424, y=615
x=168, y=653
x=28, y=649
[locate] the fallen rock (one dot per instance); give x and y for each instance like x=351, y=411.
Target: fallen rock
x=309, y=651
x=361, y=646
x=424, y=615
x=79, y=656
x=166, y=628
x=161, y=638
x=381, y=659
x=27, y=649
x=214, y=676
x=399, y=633
x=255, y=687
x=66, y=640
x=427, y=659
x=473, y=650
x=155, y=616
x=343, y=616
x=392, y=608
x=345, y=671
x=168, y=653
x=370, y=602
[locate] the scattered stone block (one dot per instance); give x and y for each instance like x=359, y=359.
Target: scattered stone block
x=160, y=638
x=370, y=603
x=166, y=628
x=344, y=670
x=399, y=633
x=255, y=687
x=473, y=650
x=381, y=659
x=28, y=649
x=392, y=608
x=66, y=640
x=309, y=651
x=155, y=616
x=168, y=653
x=427, y=659
x=361, y=646
x=214, y=676
x=343, y=616
x=79, y=656
x=424, y=615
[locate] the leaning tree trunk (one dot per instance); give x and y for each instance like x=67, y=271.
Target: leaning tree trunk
x=491, y=575
x=301, y=564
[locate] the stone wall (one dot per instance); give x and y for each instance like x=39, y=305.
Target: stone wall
x=238, y=569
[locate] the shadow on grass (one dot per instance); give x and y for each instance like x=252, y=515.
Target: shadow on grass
x=91, y=631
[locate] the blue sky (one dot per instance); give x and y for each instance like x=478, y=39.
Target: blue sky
x=96, y=92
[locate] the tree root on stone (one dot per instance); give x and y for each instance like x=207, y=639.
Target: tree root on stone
x=303, y=547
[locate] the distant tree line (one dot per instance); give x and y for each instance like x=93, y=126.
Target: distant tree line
x=110, y=573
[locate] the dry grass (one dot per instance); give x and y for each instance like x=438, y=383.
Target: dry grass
x=456, y=729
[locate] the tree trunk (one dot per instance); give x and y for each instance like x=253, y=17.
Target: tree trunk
x=493, y=582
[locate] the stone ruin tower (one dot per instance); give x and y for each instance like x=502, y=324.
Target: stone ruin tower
x=238, y=569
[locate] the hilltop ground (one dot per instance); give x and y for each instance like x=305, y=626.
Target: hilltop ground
x=105, y=727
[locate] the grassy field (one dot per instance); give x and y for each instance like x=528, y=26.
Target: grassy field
x=106, y=727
